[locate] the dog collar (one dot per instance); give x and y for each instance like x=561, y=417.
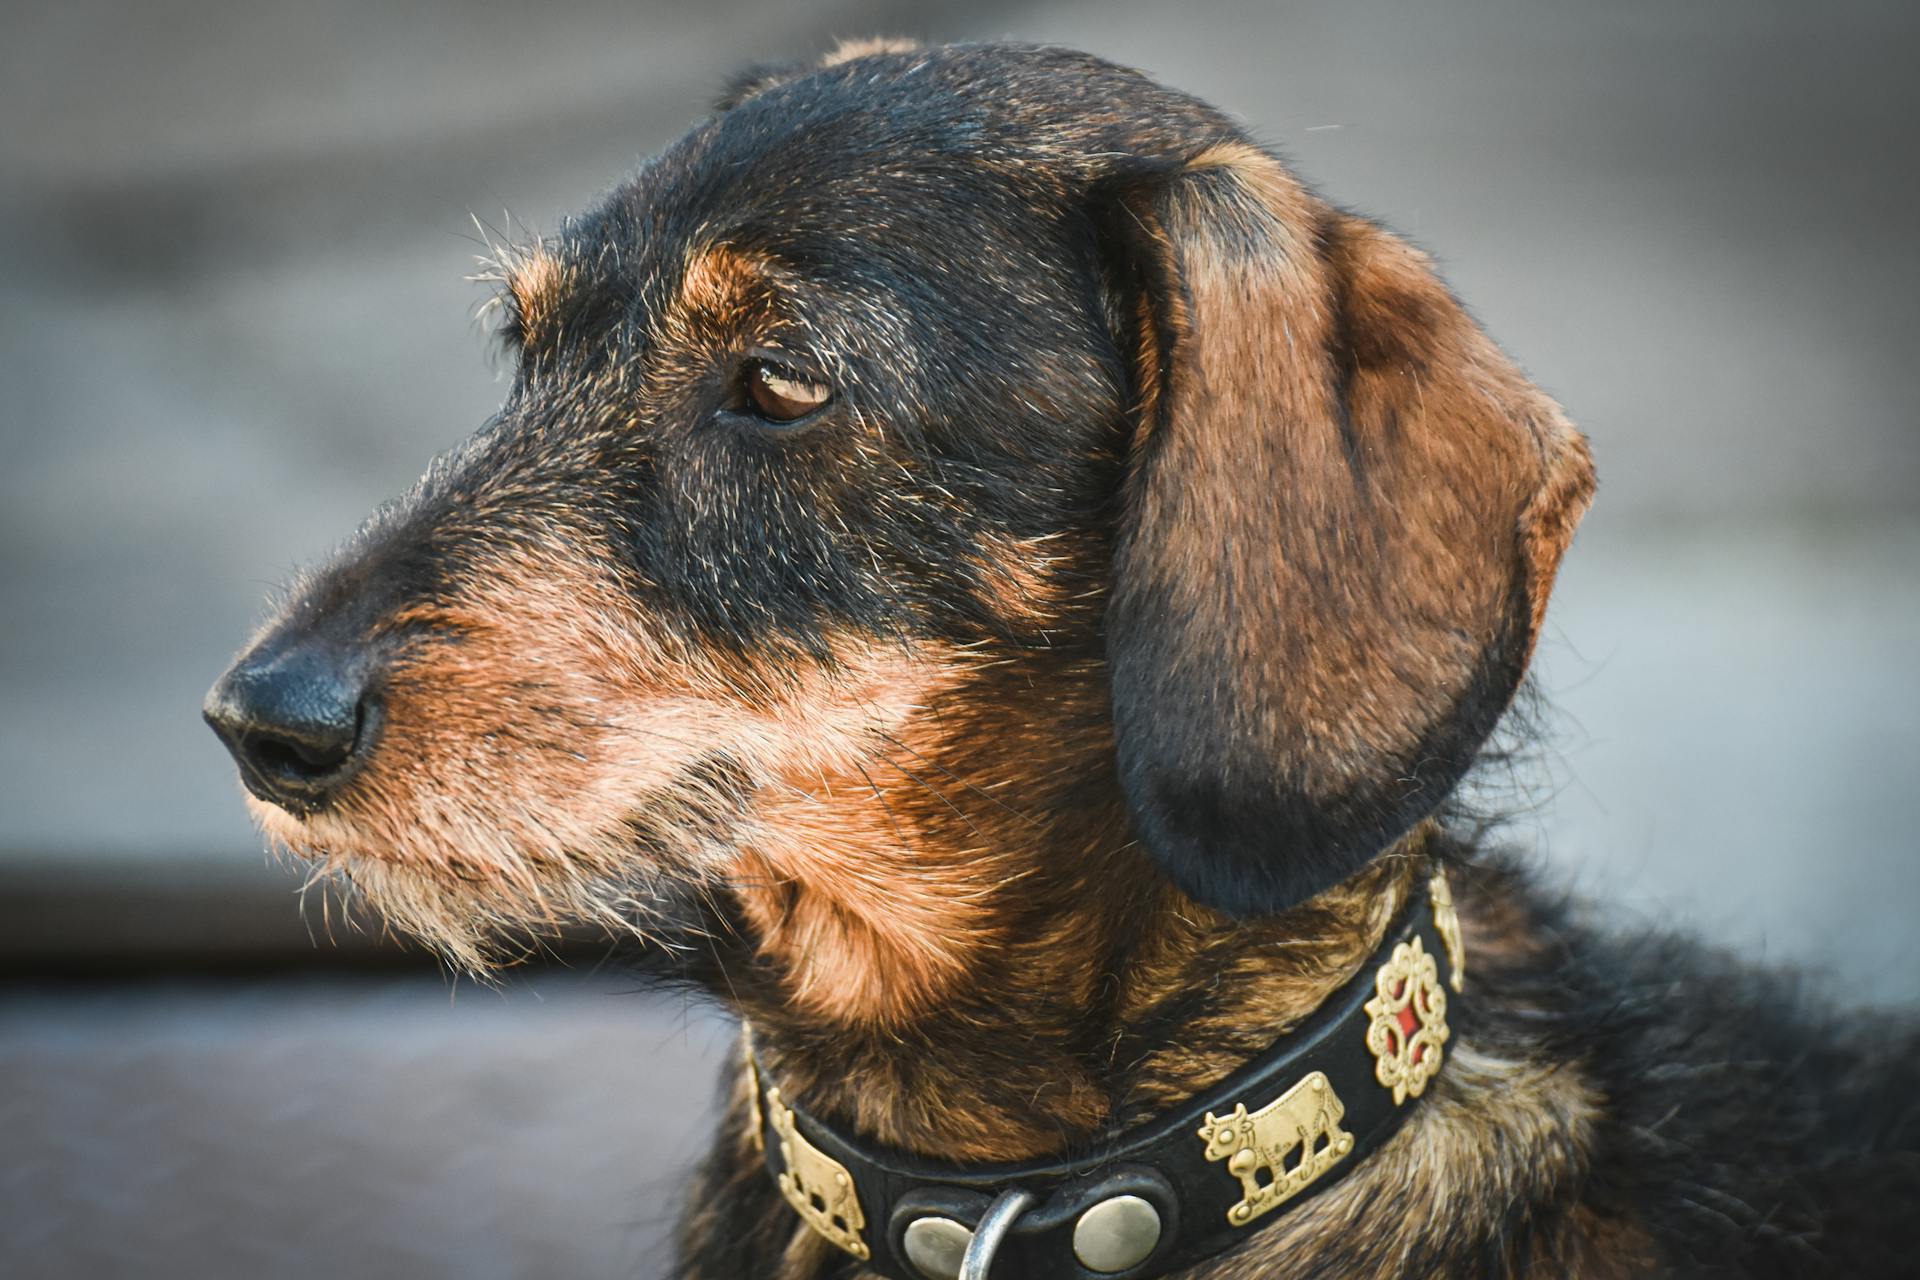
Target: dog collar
x=1185, y=1186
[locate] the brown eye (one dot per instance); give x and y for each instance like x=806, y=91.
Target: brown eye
x=781, y=395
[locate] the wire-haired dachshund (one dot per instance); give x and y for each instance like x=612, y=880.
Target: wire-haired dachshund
x=984, y=571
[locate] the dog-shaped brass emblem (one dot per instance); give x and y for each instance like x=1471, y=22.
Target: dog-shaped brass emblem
x=1306, y=1119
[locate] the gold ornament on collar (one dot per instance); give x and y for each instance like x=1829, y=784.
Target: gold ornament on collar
x=1409, y=1025
x=756, y=1121
x=1306, y=1119
x=1447, y=922
x=818, y=1187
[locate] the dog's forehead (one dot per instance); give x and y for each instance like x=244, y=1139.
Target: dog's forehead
x=812, y=174
x=922, y=154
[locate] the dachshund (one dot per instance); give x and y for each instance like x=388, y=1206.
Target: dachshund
x=983, y=571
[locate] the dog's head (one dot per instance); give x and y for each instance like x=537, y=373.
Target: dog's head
x=930, y=449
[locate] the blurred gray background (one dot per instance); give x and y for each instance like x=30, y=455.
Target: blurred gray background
x=233, y=317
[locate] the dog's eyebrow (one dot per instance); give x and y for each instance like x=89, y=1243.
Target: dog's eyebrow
x=536, y=281
x=720, y=276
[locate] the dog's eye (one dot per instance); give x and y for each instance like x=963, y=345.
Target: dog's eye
x=783, y=395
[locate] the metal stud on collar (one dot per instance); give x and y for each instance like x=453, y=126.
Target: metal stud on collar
x=1116, y=1234
x=935, y=1245
x=994, y=1225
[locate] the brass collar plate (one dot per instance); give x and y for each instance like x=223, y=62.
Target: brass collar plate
x=819, y=1188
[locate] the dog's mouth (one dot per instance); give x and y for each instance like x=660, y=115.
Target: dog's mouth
x=476, y=823
x=485, y=903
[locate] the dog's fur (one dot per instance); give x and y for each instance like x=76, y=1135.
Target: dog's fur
x=1056, y=718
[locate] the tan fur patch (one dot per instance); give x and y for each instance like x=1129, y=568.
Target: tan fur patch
x=874, y=917
x=536, y=281
x=719, y=278
x=808, y=1254
x=881, y=881
x=1282, y=970
x=727, y=300
x=866, y=47
x=1021, y=578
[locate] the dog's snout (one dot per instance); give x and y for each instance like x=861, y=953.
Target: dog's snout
x=299, y=718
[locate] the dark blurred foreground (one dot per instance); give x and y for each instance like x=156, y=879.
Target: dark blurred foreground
x=378, y=1127
x=232, y=318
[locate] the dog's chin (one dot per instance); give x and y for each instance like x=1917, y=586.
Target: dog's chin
x=488, y=904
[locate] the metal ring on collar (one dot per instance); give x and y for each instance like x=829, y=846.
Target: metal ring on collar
x=999, y=1219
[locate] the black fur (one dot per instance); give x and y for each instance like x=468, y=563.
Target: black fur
x=1750, y=1126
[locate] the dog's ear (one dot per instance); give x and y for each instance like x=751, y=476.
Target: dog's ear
x=755, y=79
x=763, y=76
x=1342, y=515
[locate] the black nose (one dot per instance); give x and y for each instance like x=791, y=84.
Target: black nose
x=299, y=719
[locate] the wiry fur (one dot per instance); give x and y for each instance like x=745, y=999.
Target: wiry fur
x=1060, y=715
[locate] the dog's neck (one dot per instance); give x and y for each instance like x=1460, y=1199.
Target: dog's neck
x=958, y=949
x=1101, y=1008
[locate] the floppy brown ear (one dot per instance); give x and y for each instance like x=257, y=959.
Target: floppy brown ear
x=1343, y=513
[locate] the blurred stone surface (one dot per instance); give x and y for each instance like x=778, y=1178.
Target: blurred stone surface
x=390, y=1128
x=233, y=318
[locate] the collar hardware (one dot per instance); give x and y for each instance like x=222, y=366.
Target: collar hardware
x=819, y=1188
x=1409, y=1021
x=1005, y=1210
x=1304, y=1120
x=1155, y=1198
x=1446, y=922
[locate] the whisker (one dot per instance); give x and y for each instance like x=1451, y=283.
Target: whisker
x=988, y=796
x=931, y=790
x=881, y=796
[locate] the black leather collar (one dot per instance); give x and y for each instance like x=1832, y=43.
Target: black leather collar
x=1213, y=1170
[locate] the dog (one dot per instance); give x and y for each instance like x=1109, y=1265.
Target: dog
x=990, y=576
